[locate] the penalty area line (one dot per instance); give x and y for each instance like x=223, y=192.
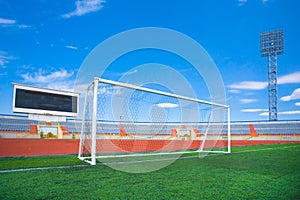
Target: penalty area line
x=86, y=165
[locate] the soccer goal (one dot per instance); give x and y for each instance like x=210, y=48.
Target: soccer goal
x=122, y=120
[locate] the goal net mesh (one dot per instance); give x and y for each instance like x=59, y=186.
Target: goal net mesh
x=122, y=120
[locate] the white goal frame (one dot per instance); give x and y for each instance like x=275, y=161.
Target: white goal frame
x=92, y=158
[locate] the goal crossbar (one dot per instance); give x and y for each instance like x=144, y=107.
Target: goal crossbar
x=135, y=87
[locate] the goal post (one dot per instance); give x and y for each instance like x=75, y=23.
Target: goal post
x=121, y=120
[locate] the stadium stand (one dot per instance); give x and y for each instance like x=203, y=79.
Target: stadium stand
x=21, y=124
x=15, y=123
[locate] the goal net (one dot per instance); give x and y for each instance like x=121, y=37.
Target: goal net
x=122, y=121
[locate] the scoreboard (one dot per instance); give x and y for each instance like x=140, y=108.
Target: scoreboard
x=36, y=100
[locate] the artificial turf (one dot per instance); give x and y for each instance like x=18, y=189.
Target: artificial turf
x=258, y=172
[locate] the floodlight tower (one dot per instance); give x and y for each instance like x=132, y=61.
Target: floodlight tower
x=271, y=45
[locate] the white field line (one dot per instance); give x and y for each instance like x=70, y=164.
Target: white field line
x=138, y=161
x=41, y=168
x=266, y=149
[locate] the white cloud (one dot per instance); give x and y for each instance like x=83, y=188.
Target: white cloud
x=242, y=2
x=23, y=26
x=234, y=91
x=67, y=85
x=130, y=72
x=264, y=114
x=295, y=95
x=3, y=74
x=42, y=77
x=290, y=78
x=291, y=112
x=71, y=47
x=167, y=105
x=265, y=1
x=84, y=7
x=12, y=23
x=297, y=104
x=260, y=85
x=245, y=101
x=7, y=21
x=4, y=59
x=254, y=110
x=249, y=85
x=113, y=74
x=60, y=79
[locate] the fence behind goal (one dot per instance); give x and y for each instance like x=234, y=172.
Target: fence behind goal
x=122, y=120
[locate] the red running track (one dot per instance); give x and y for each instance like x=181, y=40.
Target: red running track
x=38, y=147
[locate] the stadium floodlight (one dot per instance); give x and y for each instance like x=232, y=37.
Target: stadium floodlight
x=271, y=45
x=152, y=123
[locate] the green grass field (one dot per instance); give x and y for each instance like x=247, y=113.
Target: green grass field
x=259, y=172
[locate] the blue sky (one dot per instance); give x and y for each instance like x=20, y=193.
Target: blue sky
x=43, y=43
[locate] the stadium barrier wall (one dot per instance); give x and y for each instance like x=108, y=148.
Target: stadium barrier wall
x=39, y=147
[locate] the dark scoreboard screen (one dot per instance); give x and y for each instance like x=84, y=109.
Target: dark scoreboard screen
x=28, y=99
